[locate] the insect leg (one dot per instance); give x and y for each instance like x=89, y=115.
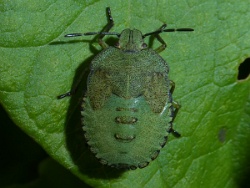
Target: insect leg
x=109, y=25
x=162, y=29
x=175, y=108
x=172, y=84
x=175, y=104
x=158, y=37
x=75, y=87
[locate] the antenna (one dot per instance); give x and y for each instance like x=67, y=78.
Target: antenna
x=91, y=33
x=162, y=29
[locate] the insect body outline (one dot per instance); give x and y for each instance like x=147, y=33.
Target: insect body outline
x=128, y=110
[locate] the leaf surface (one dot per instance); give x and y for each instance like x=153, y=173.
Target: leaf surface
x=38, y=64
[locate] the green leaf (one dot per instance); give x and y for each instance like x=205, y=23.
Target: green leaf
x=38, y=64
x=26, y=165
x=17, y=166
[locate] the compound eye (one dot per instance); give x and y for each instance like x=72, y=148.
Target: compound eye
x=117, y=45
x=144, y=45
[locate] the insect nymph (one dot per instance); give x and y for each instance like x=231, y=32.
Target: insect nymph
x=128, y=108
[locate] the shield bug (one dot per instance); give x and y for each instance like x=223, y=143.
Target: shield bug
x=128, y=110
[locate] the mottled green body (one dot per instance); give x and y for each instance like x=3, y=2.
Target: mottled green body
x=127, y=110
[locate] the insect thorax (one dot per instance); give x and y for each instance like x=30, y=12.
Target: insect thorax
x=128, y=75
